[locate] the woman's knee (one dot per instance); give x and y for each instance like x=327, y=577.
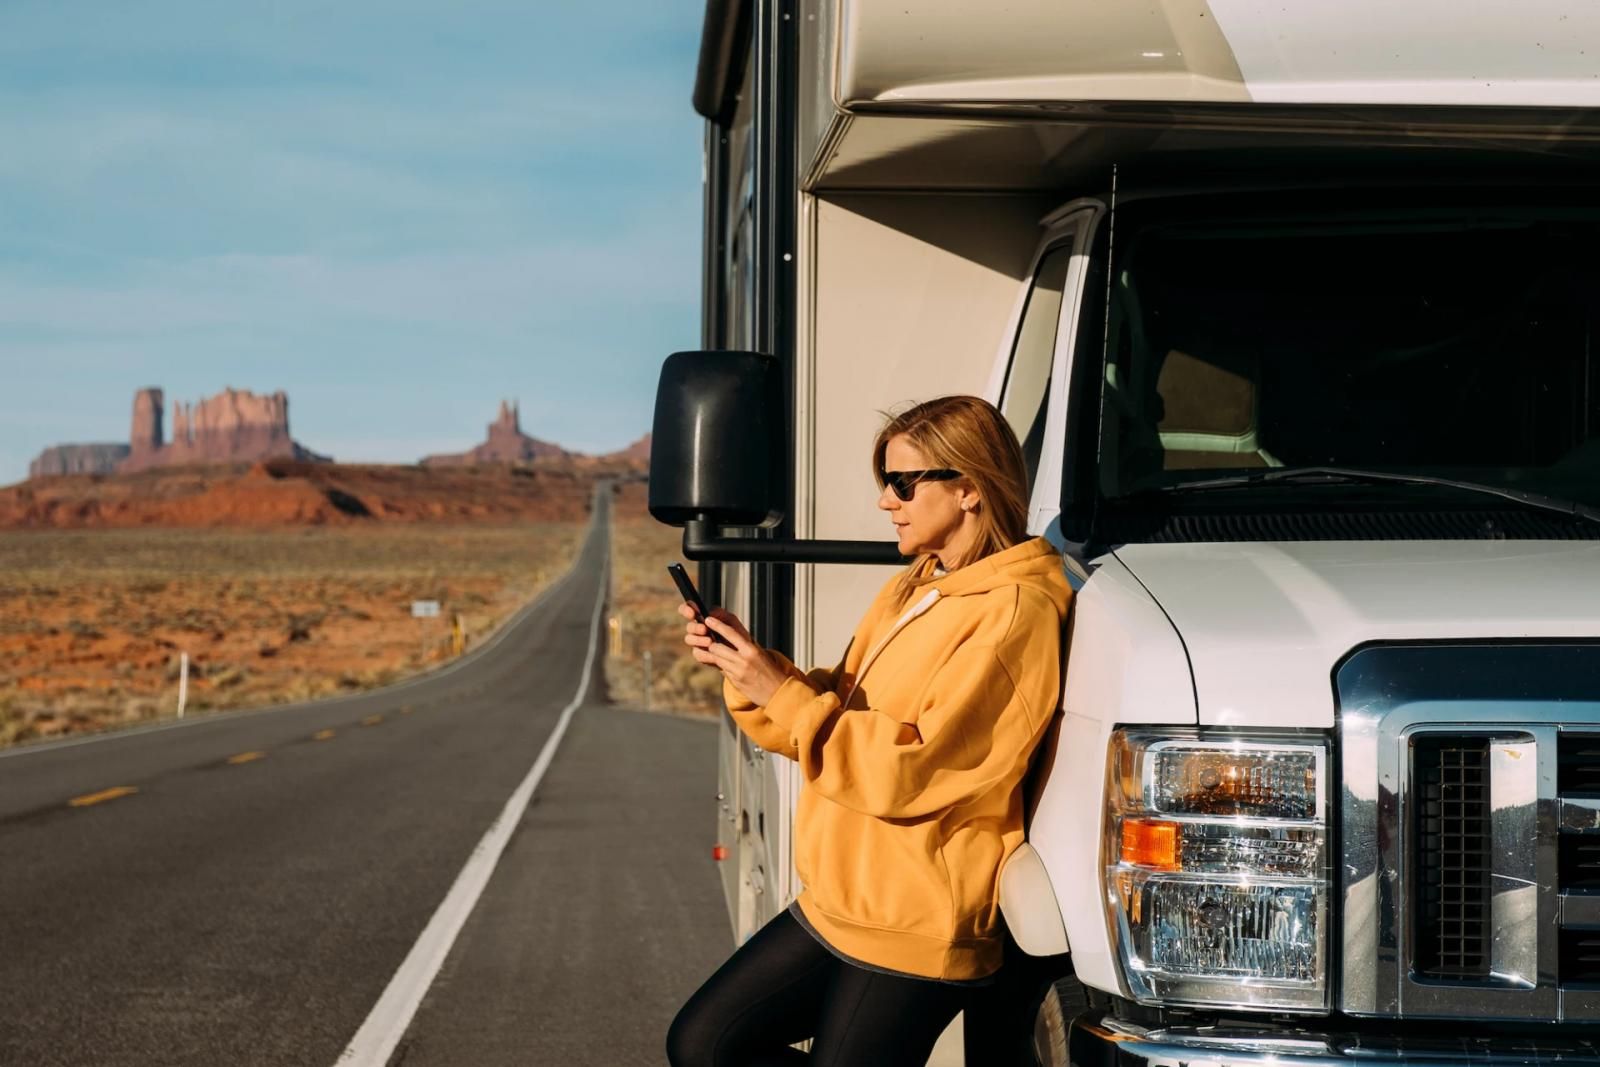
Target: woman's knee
x=763, y=997
x=692, y=1038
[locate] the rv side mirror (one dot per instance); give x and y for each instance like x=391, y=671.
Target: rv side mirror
x=717, y=443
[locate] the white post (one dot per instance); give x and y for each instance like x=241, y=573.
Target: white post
x=183, y=682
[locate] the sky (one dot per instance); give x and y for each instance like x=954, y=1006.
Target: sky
x=397, y=212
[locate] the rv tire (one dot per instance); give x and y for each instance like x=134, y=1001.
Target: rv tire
x=1063, y=1001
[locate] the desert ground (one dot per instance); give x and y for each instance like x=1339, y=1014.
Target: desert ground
x=93, y=622
x=290, y=583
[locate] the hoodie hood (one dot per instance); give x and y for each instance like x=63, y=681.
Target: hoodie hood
x=1032, y=564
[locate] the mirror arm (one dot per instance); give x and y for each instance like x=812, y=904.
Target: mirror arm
x=701, y=542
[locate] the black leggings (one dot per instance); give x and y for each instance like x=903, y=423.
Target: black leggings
x=782, y=986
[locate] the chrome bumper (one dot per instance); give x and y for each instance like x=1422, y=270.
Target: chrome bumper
x=1102, y=1042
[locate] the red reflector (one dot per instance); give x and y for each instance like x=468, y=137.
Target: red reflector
x=719, y=853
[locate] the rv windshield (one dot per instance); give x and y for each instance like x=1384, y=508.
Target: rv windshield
x=1457, y=343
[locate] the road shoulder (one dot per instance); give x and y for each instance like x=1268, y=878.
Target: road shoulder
x=604, y=913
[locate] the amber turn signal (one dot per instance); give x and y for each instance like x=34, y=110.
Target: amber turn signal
x=719, y=853
x=1151, y=843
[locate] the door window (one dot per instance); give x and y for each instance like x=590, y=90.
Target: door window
x=1027, y=382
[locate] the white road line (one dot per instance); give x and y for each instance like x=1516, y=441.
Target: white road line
x=378, y=1037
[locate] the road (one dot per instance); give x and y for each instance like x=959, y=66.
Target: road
x=242, y=889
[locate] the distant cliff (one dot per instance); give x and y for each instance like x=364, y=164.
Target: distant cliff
x=235, y=426
x=240, y=427
x=506, y=444
x=282, y=492
x=637, y=453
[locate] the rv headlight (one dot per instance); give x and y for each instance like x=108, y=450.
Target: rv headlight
x=1217, y=877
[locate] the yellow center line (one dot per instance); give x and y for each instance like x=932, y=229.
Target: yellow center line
x=372, y=720
x=405, y=709
x=246, y=757
x=322, y=735
x=102, y=796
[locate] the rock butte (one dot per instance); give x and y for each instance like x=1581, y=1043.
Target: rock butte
x=506, y=444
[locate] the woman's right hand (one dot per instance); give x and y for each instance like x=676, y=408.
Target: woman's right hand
x=756, y=672
x=698, y=635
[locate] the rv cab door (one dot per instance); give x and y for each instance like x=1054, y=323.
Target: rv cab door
x=1029, y=383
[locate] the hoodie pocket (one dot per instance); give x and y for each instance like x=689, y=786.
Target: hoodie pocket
x=878, y=876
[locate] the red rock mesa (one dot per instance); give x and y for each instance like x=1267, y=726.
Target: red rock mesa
x=235, y=426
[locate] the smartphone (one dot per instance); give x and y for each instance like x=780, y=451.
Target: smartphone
x=691, y=596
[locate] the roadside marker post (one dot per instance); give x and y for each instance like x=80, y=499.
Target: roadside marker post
x=183, y=682
x=422, y=610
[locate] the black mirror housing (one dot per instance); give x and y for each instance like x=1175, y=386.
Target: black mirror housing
x=717, y=440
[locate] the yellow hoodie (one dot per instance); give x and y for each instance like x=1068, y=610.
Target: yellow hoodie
x=912, y=752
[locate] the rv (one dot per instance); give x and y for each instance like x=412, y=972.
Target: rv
x=1295, y=309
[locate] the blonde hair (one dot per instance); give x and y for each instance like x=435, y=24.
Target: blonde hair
x=966, y=434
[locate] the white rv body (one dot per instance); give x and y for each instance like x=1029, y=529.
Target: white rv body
x=942, y=154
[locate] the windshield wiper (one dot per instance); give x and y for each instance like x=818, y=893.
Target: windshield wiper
x=1358, y=476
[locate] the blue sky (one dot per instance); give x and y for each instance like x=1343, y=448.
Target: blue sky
x=397, y=212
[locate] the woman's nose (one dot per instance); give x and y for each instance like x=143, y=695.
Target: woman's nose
x=887, y=501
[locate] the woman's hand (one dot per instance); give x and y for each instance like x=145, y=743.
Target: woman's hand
x=750, y=668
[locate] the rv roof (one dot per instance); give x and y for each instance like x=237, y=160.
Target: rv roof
x=1530, y=53
x=957, y=94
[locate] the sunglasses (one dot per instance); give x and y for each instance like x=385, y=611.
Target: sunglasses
x=904, y=483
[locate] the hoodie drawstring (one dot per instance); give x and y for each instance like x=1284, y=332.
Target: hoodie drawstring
x=910, y=613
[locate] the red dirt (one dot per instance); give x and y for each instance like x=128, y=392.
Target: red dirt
x=281, y=492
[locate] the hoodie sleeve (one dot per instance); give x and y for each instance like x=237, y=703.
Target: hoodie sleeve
x=753, y=719
x=982, y=713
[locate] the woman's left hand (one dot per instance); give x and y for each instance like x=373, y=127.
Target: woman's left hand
x=751, y=668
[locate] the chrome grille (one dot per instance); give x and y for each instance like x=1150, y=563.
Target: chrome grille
x=1578, y=765
x=1470, y=831
x=1580, y=863
x=1452, y=835
x=1580, y=956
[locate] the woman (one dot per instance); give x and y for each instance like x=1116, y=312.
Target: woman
x=912, y=751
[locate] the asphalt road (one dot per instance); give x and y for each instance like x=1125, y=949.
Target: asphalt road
x=241, y=889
